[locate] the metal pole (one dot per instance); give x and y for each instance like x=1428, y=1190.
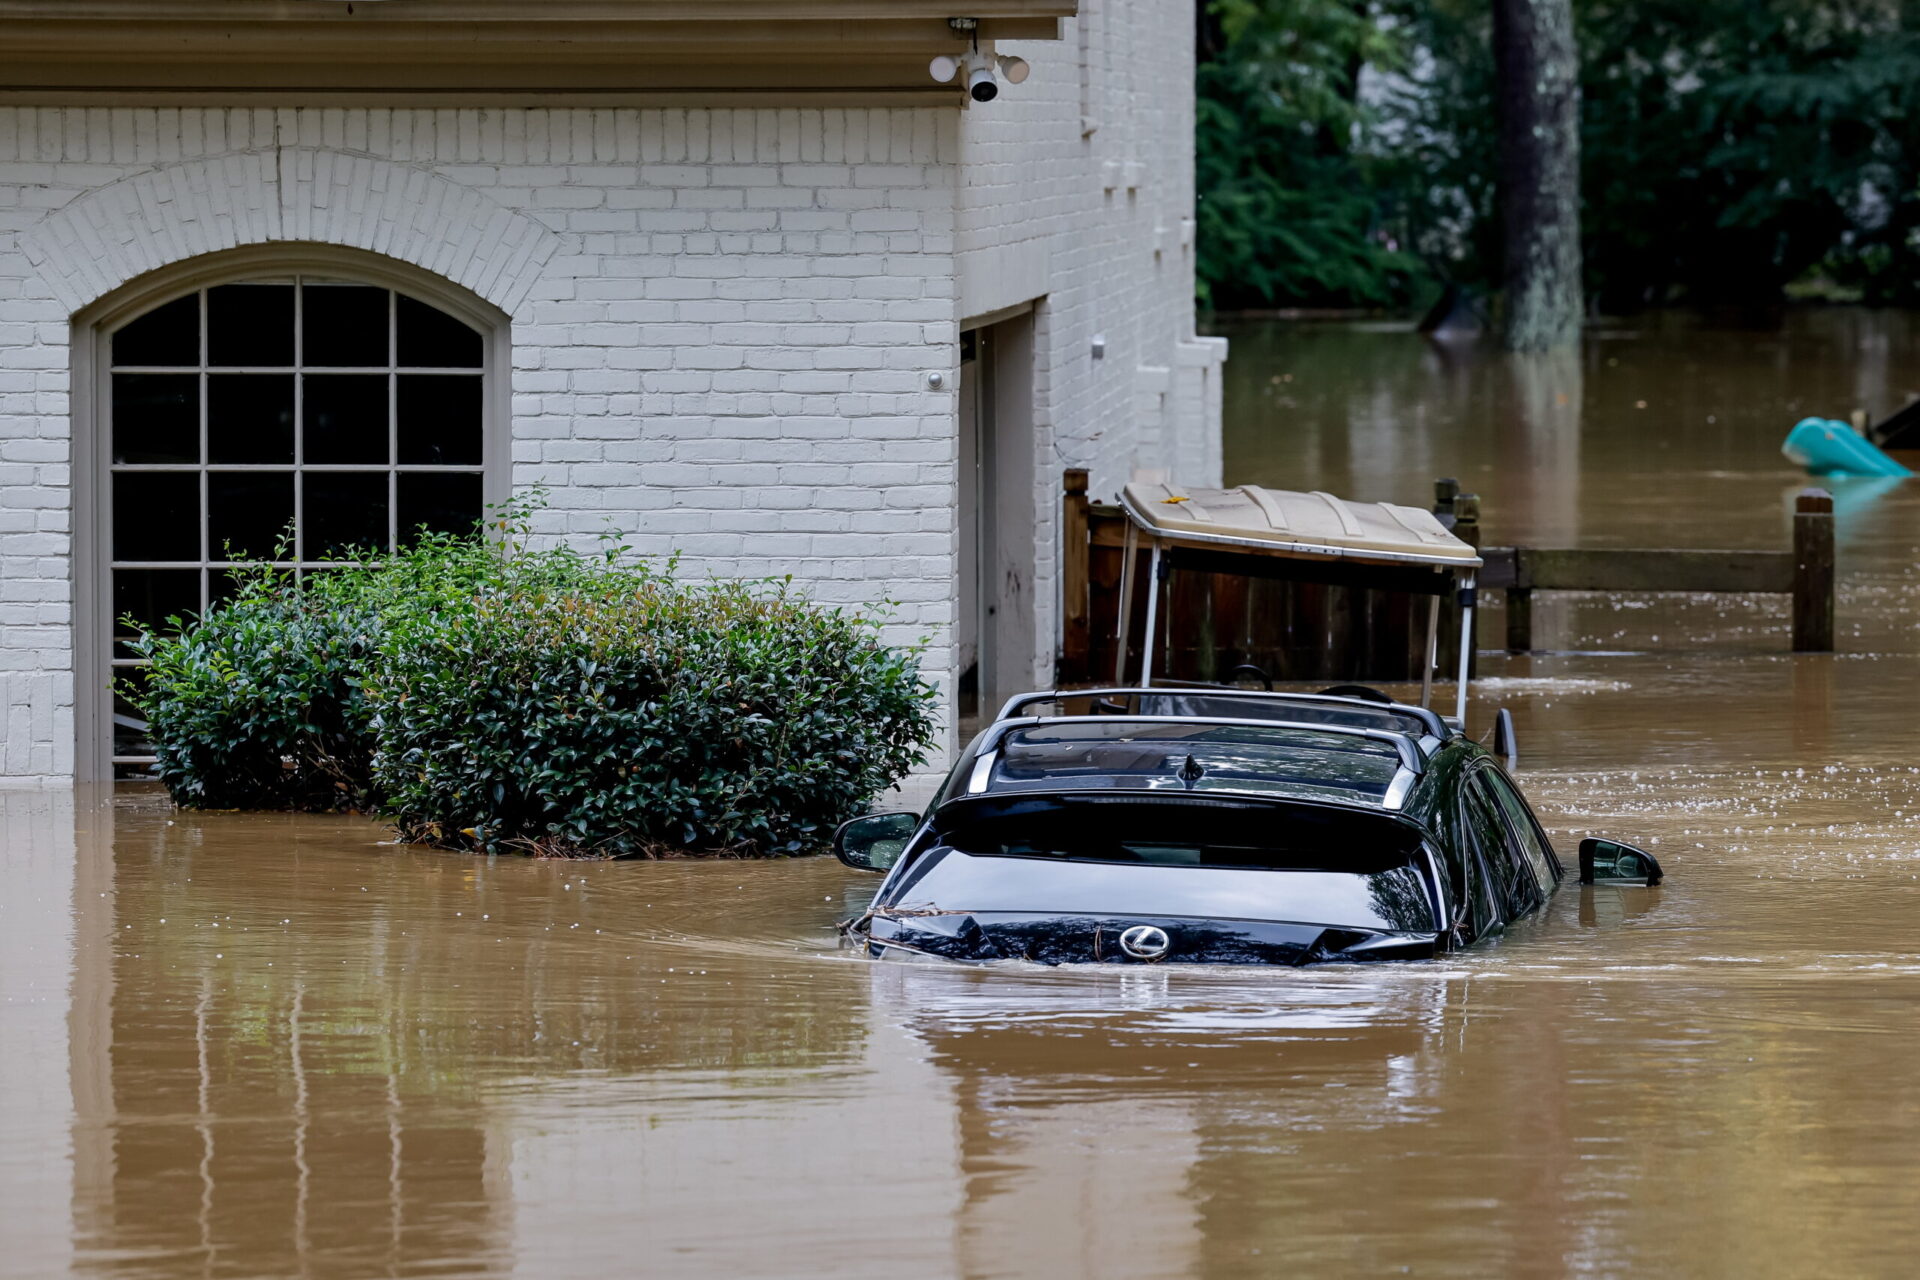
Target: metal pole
x=1433, y=651
x=1467, y=589
x=1126, y=603
x=1153, y=612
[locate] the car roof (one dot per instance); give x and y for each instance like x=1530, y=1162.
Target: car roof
x=1219, y=701
x=1310, y=747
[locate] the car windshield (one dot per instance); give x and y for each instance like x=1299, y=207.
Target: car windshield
x=1130, y=857
x=1118, y=753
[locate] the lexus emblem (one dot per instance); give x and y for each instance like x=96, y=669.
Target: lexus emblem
x=1145, y=942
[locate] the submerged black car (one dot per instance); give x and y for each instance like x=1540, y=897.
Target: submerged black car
x=1215, y=826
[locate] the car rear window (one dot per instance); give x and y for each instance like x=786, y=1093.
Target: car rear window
x=1123, y=754
x=1108, y=855
x=1177, y=830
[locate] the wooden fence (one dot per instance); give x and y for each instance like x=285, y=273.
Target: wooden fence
x=1333, y=632
x=1806, y=573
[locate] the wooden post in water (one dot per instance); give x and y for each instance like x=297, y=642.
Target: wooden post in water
x=1076, y=639
x=1466, y=527
x=1519, y=619
x=1445, y=491
x=1466, y=524
x=1813, y=572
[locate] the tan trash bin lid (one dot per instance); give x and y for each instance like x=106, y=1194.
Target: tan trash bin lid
x=1290, y=522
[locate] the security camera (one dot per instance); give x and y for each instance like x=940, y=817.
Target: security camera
x=981, y=85
x=943, y=68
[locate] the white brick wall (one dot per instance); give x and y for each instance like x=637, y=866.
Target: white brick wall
x=1077, y=188
x=722, y=320
x=1093, y=156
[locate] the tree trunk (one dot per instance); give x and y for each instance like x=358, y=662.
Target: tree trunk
x=1538, y=69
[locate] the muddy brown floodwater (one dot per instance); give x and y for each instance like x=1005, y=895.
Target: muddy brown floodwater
x=266, y=1046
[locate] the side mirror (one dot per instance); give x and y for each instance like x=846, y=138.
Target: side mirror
x=1610, y=862
x=875, y=842
x=1505, y=744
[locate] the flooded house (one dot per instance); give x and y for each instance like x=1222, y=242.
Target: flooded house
x=826, y=288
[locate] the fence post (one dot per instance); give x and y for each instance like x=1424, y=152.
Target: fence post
x=1445, y=491
x=1076, y=639
x=1813, y=571
x=1466, y=527
x=1519, y=619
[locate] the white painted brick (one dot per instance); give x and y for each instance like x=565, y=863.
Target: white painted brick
x=721, y=319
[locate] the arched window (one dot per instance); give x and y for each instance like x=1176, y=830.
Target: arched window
x=290, y=419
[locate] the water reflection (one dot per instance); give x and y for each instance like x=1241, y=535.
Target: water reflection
x=1543, y=439
x=269, y=1103
x=308, y=1052
x=1090, y=1105
x=45, y=1064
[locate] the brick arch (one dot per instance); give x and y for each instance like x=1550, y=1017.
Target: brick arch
x=114, y=234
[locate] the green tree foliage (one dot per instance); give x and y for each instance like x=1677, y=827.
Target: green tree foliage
x=491, y=697
x=1291, y=182
x=1731, y=149
x=1736, y=146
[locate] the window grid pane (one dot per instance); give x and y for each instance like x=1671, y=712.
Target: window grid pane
x=208, y=480
x=299, y=422
x=393, y=427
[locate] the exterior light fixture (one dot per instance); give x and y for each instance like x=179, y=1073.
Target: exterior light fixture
x=982, y=69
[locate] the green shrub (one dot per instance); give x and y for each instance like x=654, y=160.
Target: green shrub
x=257, y=705
x=632, y=714
x=552, y=701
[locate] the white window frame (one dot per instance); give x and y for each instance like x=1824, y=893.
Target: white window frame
x=93, y=614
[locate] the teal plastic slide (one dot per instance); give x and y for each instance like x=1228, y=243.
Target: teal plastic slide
x=1827, y=447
